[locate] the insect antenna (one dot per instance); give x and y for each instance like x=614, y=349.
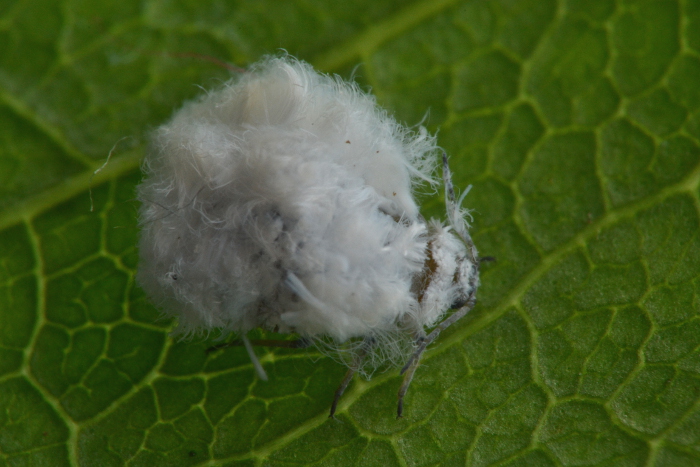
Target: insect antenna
x=455, y=213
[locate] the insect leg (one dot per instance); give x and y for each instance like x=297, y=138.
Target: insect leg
x=248, y=344
x=254, y=358
x=341, y=389
x=367, y=345
x=301, y=343
x=410, y=368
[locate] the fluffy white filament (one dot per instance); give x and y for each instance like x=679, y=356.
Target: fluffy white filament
x=284, y=200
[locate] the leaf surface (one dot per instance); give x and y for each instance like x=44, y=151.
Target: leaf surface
x=578, y=125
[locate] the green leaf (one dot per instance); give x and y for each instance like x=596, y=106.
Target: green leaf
x=578, y=124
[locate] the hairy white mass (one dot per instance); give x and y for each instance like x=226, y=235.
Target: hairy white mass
x=285, y=201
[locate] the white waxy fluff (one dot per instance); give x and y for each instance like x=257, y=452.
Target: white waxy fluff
x=284, y=200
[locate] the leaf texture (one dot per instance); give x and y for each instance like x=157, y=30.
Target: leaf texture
x=578, y=124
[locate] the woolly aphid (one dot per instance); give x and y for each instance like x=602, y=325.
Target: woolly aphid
x=284, y=201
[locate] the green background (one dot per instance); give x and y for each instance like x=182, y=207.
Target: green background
x=577, y=122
